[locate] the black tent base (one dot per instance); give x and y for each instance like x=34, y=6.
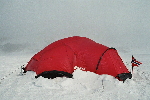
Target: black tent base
x=54, y=73
x=124, y=76
x=24, y=71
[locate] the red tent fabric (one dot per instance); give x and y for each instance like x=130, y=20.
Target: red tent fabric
x=65, y=54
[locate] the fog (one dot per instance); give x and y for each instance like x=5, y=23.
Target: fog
x=29, y=25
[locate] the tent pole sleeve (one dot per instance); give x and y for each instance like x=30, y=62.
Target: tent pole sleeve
x=102, y=56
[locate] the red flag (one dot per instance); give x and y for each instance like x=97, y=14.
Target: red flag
x=135, y=62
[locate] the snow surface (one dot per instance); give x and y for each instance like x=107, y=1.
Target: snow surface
x=83, y=86
x=27, y=26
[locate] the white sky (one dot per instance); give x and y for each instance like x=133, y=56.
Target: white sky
x=118, y=23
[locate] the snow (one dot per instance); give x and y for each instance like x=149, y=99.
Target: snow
x=83, y=86
x=28, y=26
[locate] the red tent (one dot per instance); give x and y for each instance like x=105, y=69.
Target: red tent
x=60, y=57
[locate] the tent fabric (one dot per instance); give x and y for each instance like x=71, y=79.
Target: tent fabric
x=65, y=54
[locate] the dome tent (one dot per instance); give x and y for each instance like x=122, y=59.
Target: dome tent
x=59, y=59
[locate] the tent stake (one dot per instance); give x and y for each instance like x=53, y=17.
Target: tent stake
x=102, y=84
x=21, y=70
